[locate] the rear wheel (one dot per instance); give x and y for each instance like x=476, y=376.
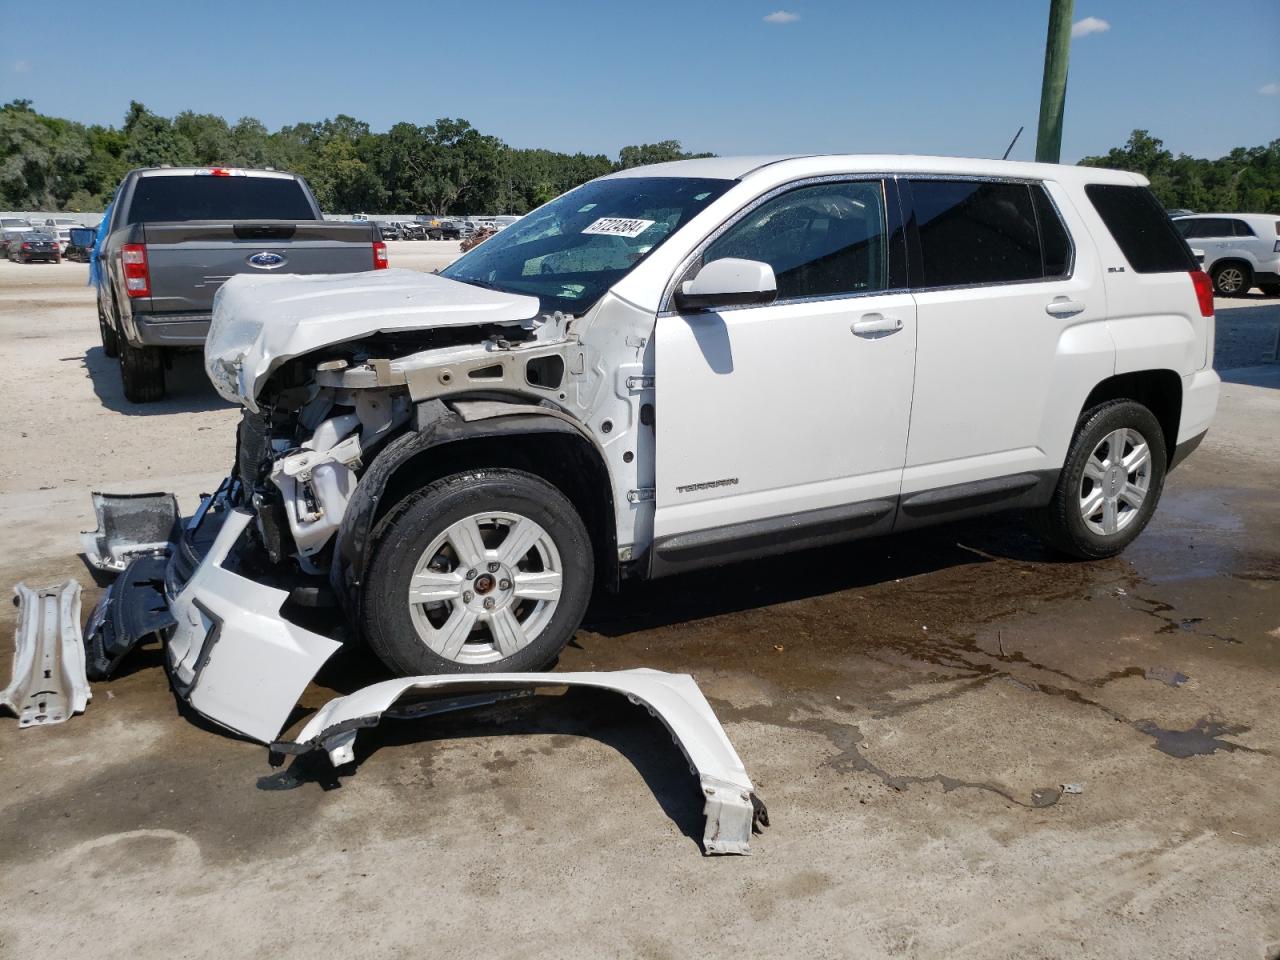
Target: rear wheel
x=1231, y=280
x=1110, y=484
x=488, y=571
x=142, y=371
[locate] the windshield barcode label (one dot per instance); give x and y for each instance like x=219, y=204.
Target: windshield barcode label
x=619, y=227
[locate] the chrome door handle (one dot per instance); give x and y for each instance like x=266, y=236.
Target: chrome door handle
x=875, y=324
x=1063, y=307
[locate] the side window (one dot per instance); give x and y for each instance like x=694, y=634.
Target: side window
x=975, y=232
x=1215, y=227
x=825, y=240
x=1241, y=229
x=1055, y=244
x=1188, y=228
x=1142, y=230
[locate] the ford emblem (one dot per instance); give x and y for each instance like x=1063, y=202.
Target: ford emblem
x=266, y=260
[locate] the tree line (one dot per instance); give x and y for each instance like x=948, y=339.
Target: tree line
x=50, y=163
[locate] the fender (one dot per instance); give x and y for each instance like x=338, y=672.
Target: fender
x=436, y=425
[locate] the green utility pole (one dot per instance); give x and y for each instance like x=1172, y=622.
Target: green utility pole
x=1053, y=92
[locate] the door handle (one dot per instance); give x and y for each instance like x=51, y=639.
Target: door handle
x=875, y=324
x=1063, y=307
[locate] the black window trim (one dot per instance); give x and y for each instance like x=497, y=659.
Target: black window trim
x=894, y=221
x=916, y=252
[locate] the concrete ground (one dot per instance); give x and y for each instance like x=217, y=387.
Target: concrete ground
x=909, y=709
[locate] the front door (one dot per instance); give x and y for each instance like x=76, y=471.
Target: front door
x=774, y=421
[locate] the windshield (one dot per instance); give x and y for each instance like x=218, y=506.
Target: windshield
x=569, y=252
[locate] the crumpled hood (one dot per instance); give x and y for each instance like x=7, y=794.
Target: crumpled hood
x=259, y=322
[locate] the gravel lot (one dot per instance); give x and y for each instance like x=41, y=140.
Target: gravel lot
x=898, y=702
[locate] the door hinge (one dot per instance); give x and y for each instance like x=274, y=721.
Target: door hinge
x=640, y=496
x=640, y=383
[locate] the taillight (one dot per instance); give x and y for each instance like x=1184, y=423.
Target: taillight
x=379, y=255
x=26, y=246
x=1204, y=291
x=137, y=279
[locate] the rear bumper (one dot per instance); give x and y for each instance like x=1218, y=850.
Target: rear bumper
x=176, y=330
x=1199, y=403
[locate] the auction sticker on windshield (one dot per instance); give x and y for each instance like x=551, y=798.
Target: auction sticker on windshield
x=619, y=227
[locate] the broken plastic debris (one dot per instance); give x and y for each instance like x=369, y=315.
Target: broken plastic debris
x=1166, y=675
x=48, y=683
x=1072, y=787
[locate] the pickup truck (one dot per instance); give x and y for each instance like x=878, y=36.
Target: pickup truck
x=178, y=233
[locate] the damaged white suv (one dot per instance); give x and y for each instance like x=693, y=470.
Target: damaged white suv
x=667, y=368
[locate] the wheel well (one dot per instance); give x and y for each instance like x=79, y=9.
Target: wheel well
x=1219, y=264
x=1160, y=391
x=567, y=462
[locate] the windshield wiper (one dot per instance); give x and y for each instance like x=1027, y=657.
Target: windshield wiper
x=476, y=282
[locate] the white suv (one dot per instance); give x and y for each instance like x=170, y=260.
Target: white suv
x=1241, y=250
x=682, y=366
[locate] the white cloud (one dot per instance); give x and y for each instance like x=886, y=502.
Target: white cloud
x=21, y=67
x=1269, y=89
x=1082, y=28
x=782, y=16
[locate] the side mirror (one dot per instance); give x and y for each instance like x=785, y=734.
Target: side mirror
x=728, y=283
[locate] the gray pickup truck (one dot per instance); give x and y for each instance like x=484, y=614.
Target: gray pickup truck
x=178, y=233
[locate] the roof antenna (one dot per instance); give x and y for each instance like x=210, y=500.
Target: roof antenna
x=1011, y=143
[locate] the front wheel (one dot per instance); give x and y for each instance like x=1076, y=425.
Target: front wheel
x=486, y=571
x=1231, y=280
x=1110, y=484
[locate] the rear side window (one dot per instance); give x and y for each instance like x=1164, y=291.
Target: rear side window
x=1055, y=244
x=160, y=199
x=976, y=232
x=1240, y=229
x=1141, y=228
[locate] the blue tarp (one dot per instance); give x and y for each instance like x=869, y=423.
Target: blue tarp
x=97, y=245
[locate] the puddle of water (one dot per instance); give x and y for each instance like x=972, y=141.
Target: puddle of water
x=1200, y=741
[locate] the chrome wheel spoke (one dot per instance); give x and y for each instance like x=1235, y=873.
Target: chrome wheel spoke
x=1133, y=495
x=1138, y=457
x=1110, y=515
x=1115, y=447
x=1090, y=504
x=464, y=537
x=538, y=586
x=508, y=632
x=431, y=585
x=453, y=633
x=1095, y=470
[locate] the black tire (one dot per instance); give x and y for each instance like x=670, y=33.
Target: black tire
x=1061, y=522
x=1270, y=289
x=110, y=342
x=409, y=529
x=1232, y=279
x=142, y=372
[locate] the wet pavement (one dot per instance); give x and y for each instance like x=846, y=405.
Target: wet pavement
x=968, y=746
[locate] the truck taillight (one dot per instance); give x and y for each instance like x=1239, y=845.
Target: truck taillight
x=379, y=255
x=137, y=279
x=1204, y=291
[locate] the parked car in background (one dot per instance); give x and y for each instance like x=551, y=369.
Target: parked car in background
x=1179, y=212
x=443, y=228
x=80, y=246
x=178, y=233
x=389, y=230
x=413, y=230
x=12, y=226
x=6, y=236
x=1241, y=250
x=35, y=246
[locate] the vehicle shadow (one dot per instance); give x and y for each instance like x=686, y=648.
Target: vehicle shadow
x=188, y=389
x=543, y=722
x=645, y=605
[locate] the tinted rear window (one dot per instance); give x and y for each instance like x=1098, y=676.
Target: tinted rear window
x=161, y=199
x=1141, y=228
x=976, y=232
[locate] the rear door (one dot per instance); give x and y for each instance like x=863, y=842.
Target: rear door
x=1008, y=313
x=767, y=416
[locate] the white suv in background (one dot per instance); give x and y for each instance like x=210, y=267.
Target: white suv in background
x=1241, y=250
x=682, y=366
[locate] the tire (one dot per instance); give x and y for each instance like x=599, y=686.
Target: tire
x=416, y=539
x=1063, y=523
x=142, y=371
x=1232, y=279
x=1270, y=289
x=110, y=342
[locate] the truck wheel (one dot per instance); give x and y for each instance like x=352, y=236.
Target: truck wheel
x=142, y=370
x=110, y=343
x=1231, y=280
x=1110, y=484
x=487, y=570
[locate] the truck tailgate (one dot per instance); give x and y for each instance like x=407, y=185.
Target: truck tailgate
x=189, y=261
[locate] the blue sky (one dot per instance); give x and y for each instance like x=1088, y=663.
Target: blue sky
x=954, y=77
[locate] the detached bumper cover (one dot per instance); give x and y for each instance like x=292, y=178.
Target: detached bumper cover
x=731, y=807
x=231, y=654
